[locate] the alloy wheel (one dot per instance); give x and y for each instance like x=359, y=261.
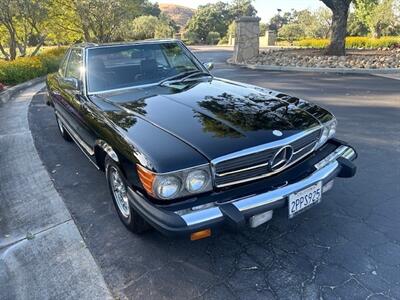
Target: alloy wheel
x=119, y=191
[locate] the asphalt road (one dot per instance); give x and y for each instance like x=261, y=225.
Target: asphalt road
x=346, y=247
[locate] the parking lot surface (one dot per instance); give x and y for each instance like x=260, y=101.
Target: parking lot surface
x=346, y=247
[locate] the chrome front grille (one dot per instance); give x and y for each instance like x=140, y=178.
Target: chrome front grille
x=254, y=163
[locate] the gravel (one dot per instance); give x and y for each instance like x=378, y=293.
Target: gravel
x=378, y=60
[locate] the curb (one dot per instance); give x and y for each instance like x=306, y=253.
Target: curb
x=12, y=91
x=317, y=70
x=43, y=255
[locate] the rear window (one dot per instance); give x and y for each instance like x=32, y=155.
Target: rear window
x=132, y=65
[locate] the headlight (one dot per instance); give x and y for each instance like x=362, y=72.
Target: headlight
x=196, y=181
x=328, y=131
x=332, y=128
x=167, y=187
x=176, y=184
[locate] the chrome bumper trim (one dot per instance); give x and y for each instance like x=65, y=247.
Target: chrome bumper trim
x=329, y=166
x=342, y=151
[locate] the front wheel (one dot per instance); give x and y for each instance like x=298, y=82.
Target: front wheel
x=119, y=193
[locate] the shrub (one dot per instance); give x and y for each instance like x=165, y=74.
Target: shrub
x=365, y=42
x=223, y=41
x=26, y=68
x=291, y=32
x=312, y=43
x=190, y=38
x=354, y=42
x=213, y=38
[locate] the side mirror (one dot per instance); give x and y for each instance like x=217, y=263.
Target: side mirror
x=209, y=66
x=69, y=83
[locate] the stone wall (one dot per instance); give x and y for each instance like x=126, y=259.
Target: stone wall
x=246, y=39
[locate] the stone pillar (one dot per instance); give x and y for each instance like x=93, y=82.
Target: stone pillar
x=270, y=35
x=231, y=40
x=246, y=39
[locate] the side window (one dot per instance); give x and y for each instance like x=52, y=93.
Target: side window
x=63, y=65
x=74, y=66
x=177, y=57
x=160, y=58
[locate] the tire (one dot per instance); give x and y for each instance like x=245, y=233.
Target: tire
x=128, y=216
x=62, y=130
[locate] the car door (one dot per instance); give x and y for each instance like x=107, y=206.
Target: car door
x=72, y=106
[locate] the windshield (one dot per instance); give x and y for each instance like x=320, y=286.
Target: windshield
x=128, y=66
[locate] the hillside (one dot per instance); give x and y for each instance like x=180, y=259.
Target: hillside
x=180, y=14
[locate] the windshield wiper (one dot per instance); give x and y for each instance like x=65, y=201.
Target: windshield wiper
x=198, y=73
x=177, y=76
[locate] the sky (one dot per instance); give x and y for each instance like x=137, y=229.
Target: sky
x=265, y=8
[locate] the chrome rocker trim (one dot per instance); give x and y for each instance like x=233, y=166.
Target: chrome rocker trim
x=81, y=144
x=325, y=168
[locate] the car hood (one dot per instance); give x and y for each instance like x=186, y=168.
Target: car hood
x=215, y=117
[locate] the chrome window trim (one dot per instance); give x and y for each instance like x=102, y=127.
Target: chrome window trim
x=64, y=61
x=82, y=62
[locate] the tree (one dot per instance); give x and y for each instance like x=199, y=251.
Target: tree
x=8, y=15
x=315, y=24
x=217, y=17
x=148, y=27
x=303, y=23
x=165, y=27
x=340, y=12
x=291, y=32
x=99, y=20
x=241, y=8
x=279, y=20
x=377, y=15
x=163, y=30
x=210, y=17
x=143, y=27
x=213, y=38
x=168, y=20
x=355, y=27
x=263, y=28
x=22, y=21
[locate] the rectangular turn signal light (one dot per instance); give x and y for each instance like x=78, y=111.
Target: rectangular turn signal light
x=200, y=234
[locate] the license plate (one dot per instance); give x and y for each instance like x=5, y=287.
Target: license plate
x=304, y=199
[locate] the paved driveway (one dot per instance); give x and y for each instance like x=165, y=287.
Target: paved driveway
x=348, y=246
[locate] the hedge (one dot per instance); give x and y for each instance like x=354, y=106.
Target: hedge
x=26, y=68
x=354, y=42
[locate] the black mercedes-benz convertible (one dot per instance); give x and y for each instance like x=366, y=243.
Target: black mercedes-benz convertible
x=185, y=152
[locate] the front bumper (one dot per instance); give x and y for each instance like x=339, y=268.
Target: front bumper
x=237, y=212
